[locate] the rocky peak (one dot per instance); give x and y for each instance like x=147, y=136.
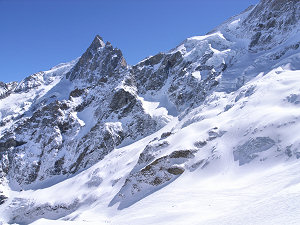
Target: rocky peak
x=98, y=62
x=97, y=43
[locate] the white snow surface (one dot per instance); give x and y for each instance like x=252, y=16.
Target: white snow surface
x=265, y=191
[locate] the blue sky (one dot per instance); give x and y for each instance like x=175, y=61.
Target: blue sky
x=38, y=34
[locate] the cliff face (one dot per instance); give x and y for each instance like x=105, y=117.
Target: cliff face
x=272, y=23
x=215, y=102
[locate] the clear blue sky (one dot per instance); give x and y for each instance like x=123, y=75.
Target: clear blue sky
x=38, y=34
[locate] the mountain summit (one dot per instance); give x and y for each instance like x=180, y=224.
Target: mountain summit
x=98, y=60
x=206, y=133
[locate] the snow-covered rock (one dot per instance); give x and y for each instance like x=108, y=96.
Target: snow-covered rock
x=206, y=133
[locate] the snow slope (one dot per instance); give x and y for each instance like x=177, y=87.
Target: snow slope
x=216, y=190
x=206, y=133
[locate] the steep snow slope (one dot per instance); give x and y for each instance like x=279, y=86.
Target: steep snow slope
x=205, y=133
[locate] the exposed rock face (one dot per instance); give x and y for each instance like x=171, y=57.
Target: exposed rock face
x=172, y=75
x=122, y=99
x=32, y=211
x=100, y=62
x=271, y=19
x=2, y=199
x=6, y=89
x=149, y=176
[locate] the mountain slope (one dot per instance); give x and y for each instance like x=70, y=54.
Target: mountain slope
x=266, y=149
x=211, y=124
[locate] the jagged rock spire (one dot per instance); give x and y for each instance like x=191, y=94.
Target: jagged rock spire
x=99, y=61
x=97, y=43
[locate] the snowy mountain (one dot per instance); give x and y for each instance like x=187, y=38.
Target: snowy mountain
x=206, y=133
